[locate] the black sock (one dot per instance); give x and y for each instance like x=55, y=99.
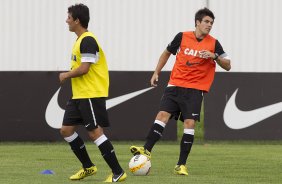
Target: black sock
x=79, y=149
x=185, y=148
x=154, y=135
x=108, y=152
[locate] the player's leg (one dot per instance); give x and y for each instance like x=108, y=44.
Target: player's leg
x=186, y=141
x=71, y=120
x=153, y=136
x=107, y=151
x=77, y=145
x=168, y=107
x=156, y=130
x=94, y=113
x=185, y=146
x=190, y=109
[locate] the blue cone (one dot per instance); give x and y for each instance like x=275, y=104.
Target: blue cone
x=47, y=172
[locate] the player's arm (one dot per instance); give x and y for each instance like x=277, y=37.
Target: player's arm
x=89, y=54
x=81, y=70
x=223, y=62
x=162, y=61
x=172, y=48
x=221, y=57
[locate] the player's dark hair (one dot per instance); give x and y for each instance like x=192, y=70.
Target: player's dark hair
x=80, y=12
x=202, y=13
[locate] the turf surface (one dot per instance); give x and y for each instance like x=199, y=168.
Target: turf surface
x=213, y=162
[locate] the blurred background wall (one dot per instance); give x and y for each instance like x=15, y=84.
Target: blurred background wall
x=36, y=45
x=35, y=37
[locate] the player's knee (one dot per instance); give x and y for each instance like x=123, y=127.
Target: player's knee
x=65, y=133
x=189, y=123
x=163, y=116
x=95, y=133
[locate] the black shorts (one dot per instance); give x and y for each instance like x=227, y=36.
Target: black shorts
x=89, y=112
x=186, y=102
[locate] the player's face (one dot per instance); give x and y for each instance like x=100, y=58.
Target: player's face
x=72, y=23
x=205, y=25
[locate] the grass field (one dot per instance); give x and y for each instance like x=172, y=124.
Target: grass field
x=213, y=162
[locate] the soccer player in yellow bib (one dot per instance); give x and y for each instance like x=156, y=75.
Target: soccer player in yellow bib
x=90, y=84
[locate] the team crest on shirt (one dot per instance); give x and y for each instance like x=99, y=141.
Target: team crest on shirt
x=73, y=57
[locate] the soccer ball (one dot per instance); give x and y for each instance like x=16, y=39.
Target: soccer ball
x=139, y=165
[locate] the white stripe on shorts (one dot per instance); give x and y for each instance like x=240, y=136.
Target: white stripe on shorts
x=92, y=111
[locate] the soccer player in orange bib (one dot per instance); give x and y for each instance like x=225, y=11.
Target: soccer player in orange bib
x=197, y=54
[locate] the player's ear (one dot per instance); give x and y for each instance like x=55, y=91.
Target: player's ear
x=198, y=22
x=77, y=21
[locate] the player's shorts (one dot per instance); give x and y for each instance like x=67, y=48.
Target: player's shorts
x=185, y=102
x=89, y=112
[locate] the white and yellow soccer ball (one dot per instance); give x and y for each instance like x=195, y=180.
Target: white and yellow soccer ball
x=140, y=165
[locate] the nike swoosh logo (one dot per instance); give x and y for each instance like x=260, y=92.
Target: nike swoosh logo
x=116, y=179
x=118, y=100
x=237, y=119
x=54, y=113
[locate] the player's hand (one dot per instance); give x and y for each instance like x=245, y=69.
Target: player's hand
x=206, y=54
x=62, y=77
x=154, y=79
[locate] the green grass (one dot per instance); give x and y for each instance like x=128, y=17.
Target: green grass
x=215, y=162
x=225, y=162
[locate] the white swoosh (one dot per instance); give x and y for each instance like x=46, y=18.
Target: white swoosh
x=116, y=179
x=54, y=113
x=234, y=118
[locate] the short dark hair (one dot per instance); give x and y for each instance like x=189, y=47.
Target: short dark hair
x=202, y=13
x=80, y=12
